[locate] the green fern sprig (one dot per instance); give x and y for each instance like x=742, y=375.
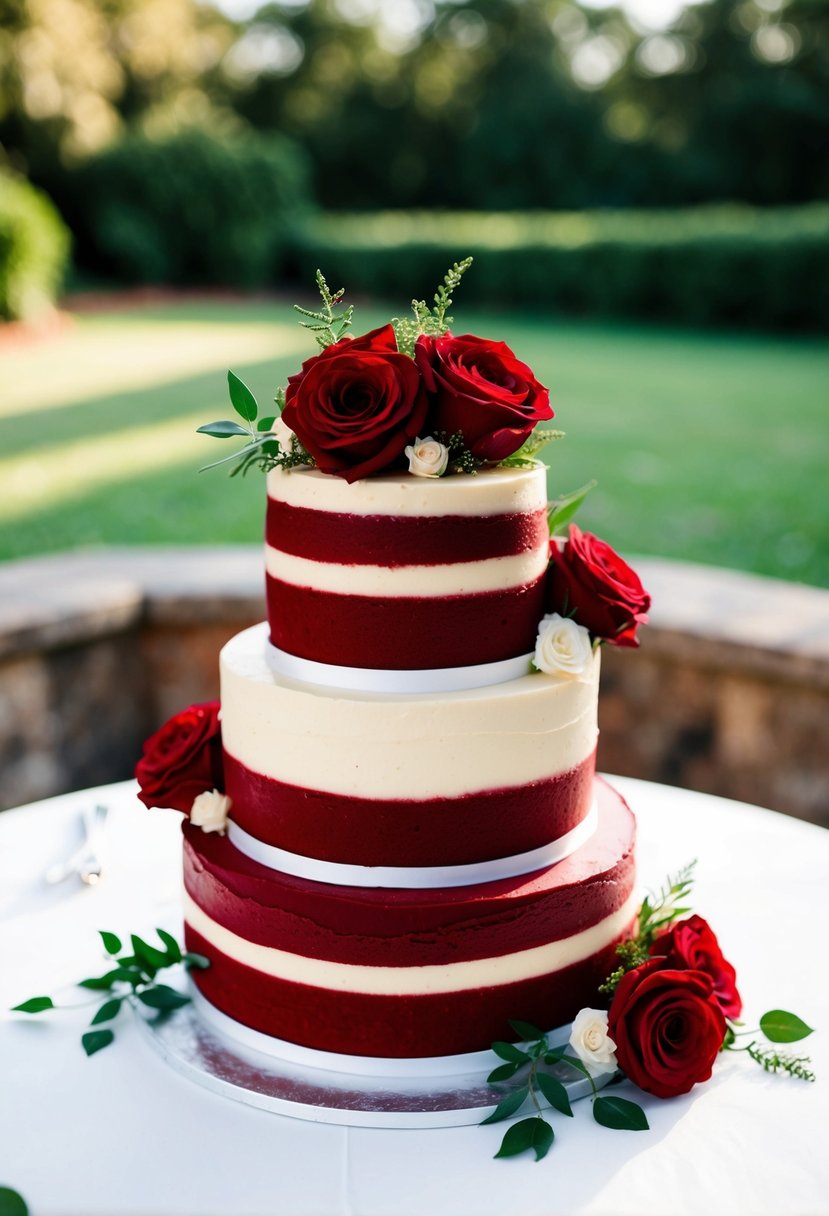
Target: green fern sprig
x=526, y=454
x=434, y=320
x=655, y=915
x=461, y=459
x=326, y=326
x=780, y=1061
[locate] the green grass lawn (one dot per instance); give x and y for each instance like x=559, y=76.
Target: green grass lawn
x=707, y=447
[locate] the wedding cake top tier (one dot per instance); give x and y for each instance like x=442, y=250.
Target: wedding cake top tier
x=400, y=572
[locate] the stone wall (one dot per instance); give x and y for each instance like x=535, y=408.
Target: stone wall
x=729, y=692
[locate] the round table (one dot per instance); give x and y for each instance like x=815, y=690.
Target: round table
x=121, y=1134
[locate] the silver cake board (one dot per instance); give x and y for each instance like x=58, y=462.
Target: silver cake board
x=239, y=1063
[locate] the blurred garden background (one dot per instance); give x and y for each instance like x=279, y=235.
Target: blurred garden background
x=644, y=188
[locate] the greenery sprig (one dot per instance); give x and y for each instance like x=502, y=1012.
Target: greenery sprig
x=536, y=1133
x=563, y=509
x=131, y=980
x=525, y=457
x=430, y=320
x=263, y=450
x=656, y=914
x=461, y=459
x=777, y=1026
x=326, y=326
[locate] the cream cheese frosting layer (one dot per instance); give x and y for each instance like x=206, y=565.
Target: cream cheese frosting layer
x=413, y=981
x=417, y=746
x=455, y=578
x=489, y=492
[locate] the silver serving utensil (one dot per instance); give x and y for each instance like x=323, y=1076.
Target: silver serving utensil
x=85, y=861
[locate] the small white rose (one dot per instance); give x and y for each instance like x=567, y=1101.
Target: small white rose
x=591, y=1043
x=209, y=811
x=562, y=648
x=427, y=457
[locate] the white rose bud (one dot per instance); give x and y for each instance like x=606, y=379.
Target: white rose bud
x=590, y=1042
x=427, y=458
x=562, y=648
x=209, y=811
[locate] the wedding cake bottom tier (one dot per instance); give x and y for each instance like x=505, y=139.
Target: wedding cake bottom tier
x=406, y=973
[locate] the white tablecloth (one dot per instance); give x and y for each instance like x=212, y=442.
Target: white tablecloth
x=120, y=1134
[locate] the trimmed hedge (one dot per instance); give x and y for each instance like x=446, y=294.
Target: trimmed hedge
x=34, y=250
x=191, y=208
x=710, y=264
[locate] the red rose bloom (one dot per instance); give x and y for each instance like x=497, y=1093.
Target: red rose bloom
x=667, y=1026
x=589, y=581
x=356, y=405
x=480, y=388
x=182, y=759
x=692, y=943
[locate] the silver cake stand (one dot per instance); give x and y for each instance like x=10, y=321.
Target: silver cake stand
x=230, y=1059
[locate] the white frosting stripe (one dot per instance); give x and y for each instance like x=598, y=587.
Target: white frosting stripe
x=413, y=745
x=413, y=877
x=371, y=679
x=413, y=981
x=455, y=578
x=490, y=492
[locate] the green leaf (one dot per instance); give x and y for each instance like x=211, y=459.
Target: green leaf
x=147, y=955
x=250, y=447
x=266, y=424
x=172, y=946
x=573, y=1061
x=242, y=399
x=112, y=944
x=620, y=1114
x=564, y=508
x=554, y=1092
x=503, y=1072
x=96, y=1040
x=222, y=430
x=35, y=1004
x=780, y=1026
x=12, y=1203
x=526, y=1030
x=108, y=1011
x=508, y=1106
x=508, y=1051
x=534, y=1133
x=196, y=962
x=161, y=996
x=100, y=983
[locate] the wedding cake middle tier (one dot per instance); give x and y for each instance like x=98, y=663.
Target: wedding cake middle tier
x=447, y=778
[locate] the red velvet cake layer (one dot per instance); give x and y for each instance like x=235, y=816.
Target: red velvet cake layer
x=404, y=633
x=410, y=930
x=399, y=540
x=439, y=831
x=398, y=1027
x=414, y=927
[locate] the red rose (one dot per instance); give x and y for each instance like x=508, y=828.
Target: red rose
x=182, y=759
x=692, y=943
x=356, y=405
x=667, y=1026
x=589, y=581
x=478, y=387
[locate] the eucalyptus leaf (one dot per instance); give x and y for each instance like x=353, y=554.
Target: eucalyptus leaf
x=554, y=1092
x=161, y=996
x=222, y=430
x=508, y=1051
x=620, y=1114
x=172, y=946
x=112, y=944
x=527, y=1031
x=503, y=1072
x=535, y=1133
x=251, y=447
x=96, y=1040
x=241, y=398
x=564, y=508
x=266, y=424
x=780, y=1026
x=35, y=1004
x=108, y=1011
x=508, y=1106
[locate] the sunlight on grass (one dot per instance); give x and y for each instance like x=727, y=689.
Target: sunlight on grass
x=121, y=354
x=69, y=471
